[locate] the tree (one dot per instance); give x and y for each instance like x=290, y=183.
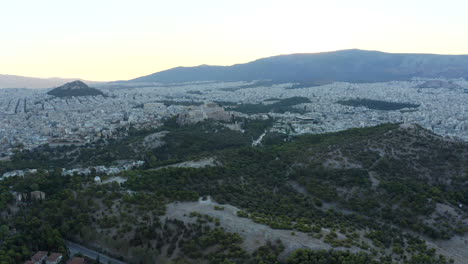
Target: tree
x=4, y=231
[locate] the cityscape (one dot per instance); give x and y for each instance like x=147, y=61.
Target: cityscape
x=234, y=132
x=30, y=118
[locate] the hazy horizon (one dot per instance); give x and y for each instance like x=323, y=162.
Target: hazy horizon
x=119, y=40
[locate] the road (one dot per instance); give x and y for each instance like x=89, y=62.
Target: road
x=76, y=248
x=259, y=140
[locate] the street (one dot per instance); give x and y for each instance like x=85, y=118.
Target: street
x=76, y=248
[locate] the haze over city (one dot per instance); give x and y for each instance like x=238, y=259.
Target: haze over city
x=118, y=40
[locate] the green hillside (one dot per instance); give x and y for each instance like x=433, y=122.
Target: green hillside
x=376, y=191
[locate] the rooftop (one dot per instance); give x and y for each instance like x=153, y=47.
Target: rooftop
x=54, y=257
x=39, y=256
x=76, y=260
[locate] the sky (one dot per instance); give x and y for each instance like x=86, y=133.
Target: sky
x=104, y=40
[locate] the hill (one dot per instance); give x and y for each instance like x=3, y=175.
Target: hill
x=76, y=88
x=15, y=81
x=391, y=192
x=344, y=65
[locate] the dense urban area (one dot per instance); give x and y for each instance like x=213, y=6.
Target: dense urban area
x=30, y=117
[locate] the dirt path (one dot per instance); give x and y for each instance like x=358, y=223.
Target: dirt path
x=456, y=248
x=254, y=234
x=202, y=163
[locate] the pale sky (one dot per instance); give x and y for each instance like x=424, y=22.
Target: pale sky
x=106, y=40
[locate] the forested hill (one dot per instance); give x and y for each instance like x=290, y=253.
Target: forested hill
x=381, y=192
x=75, y=88
x=344, y=65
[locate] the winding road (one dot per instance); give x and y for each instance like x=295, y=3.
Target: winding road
x=77, y=248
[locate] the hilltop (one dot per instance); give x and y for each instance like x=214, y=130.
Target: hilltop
x=76, y=88
x=344, y=65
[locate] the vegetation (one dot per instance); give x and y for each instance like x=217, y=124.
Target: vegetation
x=182, y=143
x=302, y=85
x=282, y=106
x=306, y=256
x=358, y=189
x=252, y=85
x=185, y=103
x=377, y=104
x=76, y=88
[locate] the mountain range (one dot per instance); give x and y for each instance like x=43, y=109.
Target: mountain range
x=352, y=65
x=344, y=65
x=15, y=81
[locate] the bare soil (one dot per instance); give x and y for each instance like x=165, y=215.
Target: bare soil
x=254, y=234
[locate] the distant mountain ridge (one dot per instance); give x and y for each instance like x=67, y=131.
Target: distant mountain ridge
x=352, y=65
x=76, y=88
x=15, y=81
x=345, y=65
